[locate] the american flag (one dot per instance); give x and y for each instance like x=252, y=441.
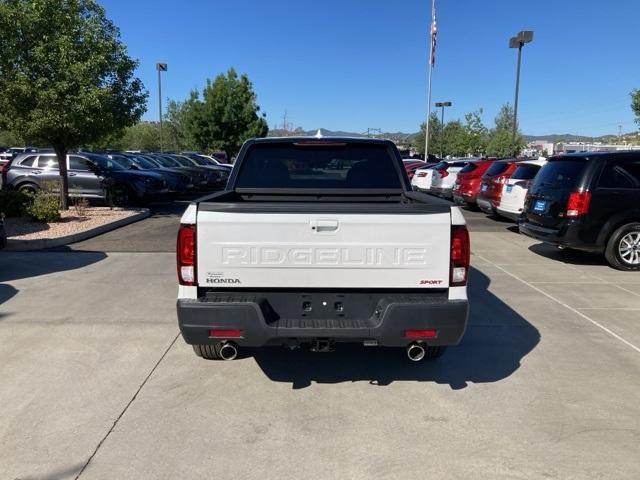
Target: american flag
x=434, y=36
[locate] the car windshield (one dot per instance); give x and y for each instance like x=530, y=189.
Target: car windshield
x=199, y=160
x=316, y=166
x=184, y=161
x=525, y=172
x=106, y=163
x=560, y=173
x=469, y=167
x=124, y=161
x=144, y=163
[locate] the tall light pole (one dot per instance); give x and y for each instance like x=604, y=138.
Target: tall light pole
x=442, y=105
x=518, y=42
x=160, y=67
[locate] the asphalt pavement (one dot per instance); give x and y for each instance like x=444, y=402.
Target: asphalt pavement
x=96, y=383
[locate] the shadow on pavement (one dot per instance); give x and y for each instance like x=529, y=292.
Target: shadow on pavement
x=567, y=255
x=18, y=265
x=496, y=340
x=58, y=474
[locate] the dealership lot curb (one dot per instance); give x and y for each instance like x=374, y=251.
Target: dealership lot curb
x=22, y=245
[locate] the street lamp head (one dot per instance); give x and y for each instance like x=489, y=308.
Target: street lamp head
x=447, y=104
x=443, y=104
x=161, y=67
x=514, y=42
x=525, y=36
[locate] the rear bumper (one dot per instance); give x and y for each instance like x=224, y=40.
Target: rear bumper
x=462, y=198
x=515, y=216
x=261, y=325
x=442, y=192
x=485, y=205
x=567, y=235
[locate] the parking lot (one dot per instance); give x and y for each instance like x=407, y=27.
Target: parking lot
x=98, y=384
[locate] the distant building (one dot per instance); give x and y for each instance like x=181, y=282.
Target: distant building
x=576, y=147
x=538, y=148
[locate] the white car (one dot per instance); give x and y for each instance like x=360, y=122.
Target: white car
x=514, y=190
x=421, y=181
x=445, y=175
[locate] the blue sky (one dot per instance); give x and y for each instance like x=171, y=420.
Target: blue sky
x=355, y=64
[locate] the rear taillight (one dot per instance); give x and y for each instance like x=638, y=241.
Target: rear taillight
x=501, y=180
x=460, y=256
x=421, y=174
x=443, y=173
x=186, y=254
x=578, y=204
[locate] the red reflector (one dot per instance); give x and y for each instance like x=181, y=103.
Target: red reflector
x=425, y=333
x=186, y=254
x=225, y=333
x=443, y=173
x=578, y=203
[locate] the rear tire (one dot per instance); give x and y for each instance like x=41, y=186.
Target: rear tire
x=623, y=248
x=208, y=352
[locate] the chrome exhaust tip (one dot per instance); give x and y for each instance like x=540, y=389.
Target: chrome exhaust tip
x=415, y=352
x=228, y=351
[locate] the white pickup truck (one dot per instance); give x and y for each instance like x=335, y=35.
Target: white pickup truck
x=317, y=241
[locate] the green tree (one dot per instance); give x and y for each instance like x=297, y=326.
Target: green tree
x=635, y=104
x=65, y=77
x=501, y=142
x=175, y=133
x=453, y=141
x=9, y=139
x=475, y=133
x=225, y=115
x=435, y=129
x=142, y=136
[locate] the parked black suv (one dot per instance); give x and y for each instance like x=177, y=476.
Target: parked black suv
x=588, y=201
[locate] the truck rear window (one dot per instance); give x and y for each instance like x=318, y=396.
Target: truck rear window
x=560, y=173
x=338, y=166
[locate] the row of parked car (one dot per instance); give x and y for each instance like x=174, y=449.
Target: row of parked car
x=582, y=201
x=127, y=177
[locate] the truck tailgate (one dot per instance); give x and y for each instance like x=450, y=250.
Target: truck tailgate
x=316, y=250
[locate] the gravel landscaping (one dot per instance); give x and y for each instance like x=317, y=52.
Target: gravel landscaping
x=72, y=222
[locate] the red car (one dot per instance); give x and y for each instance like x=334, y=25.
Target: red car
x=467, y=186
x=411, y=165
x=492, y=181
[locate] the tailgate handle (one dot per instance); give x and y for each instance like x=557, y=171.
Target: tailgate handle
x=324, y=225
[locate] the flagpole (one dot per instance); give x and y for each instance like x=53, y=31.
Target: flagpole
x=426, y=133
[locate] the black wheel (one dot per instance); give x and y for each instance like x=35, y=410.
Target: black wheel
x=433, y=352
x=623, y=248
x=209, y=352
x=28, y=188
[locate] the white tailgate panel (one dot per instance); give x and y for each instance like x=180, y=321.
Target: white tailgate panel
x=249, y=250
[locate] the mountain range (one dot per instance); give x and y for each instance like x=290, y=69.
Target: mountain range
x=402, y=137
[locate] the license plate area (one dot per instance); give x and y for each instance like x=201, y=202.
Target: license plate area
x=484, y=187
x=509, y=188
x=539, y=206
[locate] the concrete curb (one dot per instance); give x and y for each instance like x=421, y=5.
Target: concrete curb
x=21, y=245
